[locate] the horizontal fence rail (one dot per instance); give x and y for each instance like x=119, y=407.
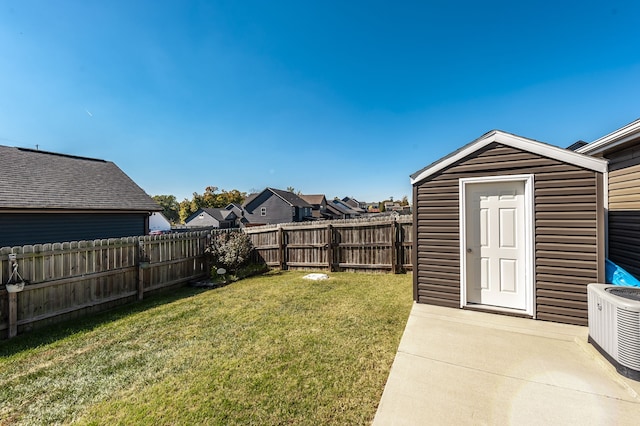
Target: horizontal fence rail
x=74, y=279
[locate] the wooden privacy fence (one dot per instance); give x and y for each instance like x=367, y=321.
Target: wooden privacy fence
x=74, y=279
x=67, y=280
x=350, y=245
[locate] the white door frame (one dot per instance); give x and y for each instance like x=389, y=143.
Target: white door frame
x=529, y=239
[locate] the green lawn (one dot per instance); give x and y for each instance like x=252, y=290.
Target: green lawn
x=275, y=349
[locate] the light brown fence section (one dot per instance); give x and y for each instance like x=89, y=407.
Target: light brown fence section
x=68, y=280
x=173, y=259
x=351, y=245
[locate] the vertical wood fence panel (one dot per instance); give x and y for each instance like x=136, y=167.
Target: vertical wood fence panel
x=73, y=279
x=350, y=245
x=265, y=240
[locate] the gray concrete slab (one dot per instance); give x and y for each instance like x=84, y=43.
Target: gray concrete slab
x=457, y=366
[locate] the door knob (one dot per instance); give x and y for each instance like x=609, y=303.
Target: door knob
x=469, y=250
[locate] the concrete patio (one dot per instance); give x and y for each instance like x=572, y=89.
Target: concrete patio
x=457, y=366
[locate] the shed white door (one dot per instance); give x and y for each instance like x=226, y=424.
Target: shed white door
x=495, y=239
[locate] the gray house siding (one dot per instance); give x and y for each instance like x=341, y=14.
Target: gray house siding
x=202, y=220
x=277, y=210
x=18, y=229
x=569, y=237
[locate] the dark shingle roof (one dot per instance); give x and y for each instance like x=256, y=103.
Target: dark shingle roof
x=31, y=179
x=219, y=214
x=287, y=196
x=290, y=198
x=313, y=198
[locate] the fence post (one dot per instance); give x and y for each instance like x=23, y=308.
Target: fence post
x=13, y=314
x=330, y=246
x=139, y=259
x=394, y=246
x=281, y=248
x=13, y=304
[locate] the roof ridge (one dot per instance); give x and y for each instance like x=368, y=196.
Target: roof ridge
x=78, y=157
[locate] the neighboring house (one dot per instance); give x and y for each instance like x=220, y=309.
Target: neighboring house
x=392, y=206
x=211, y=218
x=47, y=197
x=395, y=206
x=341, y=210
x=332, y=212
x=373, y=208
x=239, y=212
x=236, y=208
x=355, y=204
x=158, y=223
x=510, y=225
x=318, y=204
x=275, y=206
x=622, y=149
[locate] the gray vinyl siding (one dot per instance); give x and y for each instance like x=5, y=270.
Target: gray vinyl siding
x=278, y=211
x=624, y=209
x=33, y=228
x=569, y=244
x=202, y=219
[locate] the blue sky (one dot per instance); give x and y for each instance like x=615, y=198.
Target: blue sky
x=345, y=98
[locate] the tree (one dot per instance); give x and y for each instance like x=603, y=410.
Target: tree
x=170, y=207
x=405, y=201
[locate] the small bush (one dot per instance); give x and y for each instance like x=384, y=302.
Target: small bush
x=231, y=251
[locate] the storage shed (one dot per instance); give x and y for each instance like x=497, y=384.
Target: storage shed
x=622, y=148
x=510, y=225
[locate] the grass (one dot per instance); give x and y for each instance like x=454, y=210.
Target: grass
x=274, y=349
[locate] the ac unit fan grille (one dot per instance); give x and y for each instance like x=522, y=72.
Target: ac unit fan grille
x=626, y=292
x=629, y=338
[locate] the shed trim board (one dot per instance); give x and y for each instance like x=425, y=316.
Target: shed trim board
x=513, y=141
x=529, y=239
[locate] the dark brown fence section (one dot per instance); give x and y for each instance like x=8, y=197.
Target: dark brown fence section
x=69, y=280
x=356, y=245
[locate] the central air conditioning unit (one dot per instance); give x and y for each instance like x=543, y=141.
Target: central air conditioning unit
x=614, y=326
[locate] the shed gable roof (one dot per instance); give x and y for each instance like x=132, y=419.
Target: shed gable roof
x=513, y=141
x=33, y=179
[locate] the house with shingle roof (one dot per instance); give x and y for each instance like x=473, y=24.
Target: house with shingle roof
x=318, y=204
x=274, y=206
x=47, y=197
x=341, y=210
x=208, y=217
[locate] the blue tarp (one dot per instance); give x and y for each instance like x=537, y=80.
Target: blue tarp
x=615, y=275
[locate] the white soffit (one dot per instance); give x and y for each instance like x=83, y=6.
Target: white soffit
x=529, y=145
x=625, y=134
